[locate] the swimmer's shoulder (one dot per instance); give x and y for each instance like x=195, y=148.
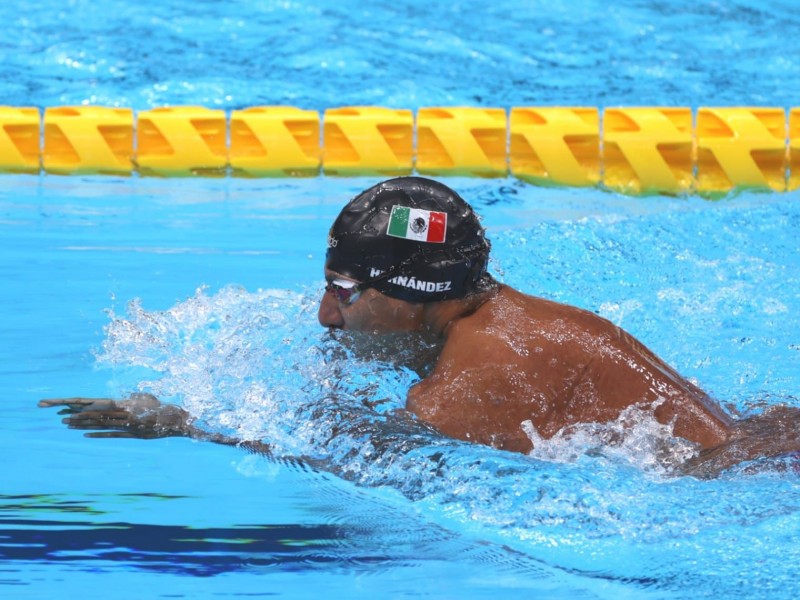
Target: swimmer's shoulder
x=513, y=307
x=507, y=311
x=544, y=310
x=510, y=310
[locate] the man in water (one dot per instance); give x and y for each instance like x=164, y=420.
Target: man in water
x=410, y=255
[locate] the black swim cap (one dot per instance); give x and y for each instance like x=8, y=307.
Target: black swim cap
x=413, y=239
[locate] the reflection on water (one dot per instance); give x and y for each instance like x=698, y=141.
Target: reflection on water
x=75, y=533
x=97, y=546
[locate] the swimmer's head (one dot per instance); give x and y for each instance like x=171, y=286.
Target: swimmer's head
x=413, y=239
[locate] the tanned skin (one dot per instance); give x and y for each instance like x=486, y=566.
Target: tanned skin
x=509, y=358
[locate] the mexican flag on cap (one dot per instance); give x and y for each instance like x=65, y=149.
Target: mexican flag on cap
x=417, y=224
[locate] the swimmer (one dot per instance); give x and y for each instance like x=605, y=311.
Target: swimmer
x=410, y=255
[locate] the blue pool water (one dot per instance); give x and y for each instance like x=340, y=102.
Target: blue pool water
x=402, y=53
x=205, y=291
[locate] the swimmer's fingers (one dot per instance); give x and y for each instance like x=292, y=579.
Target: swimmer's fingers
x=114, y=424
x=139, y=416
x=111, y=434
x=86, y=408
x=163, y=421
x=137, y=403
x=98, y=419
x=76, y=405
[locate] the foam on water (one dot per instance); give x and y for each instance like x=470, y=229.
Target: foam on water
x=256, y=365
x=636, y=438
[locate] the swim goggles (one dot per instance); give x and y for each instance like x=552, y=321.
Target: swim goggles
x=346, y=292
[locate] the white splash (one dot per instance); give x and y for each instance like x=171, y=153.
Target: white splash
x=230, y=358
x=635, y=438
x=253, y=365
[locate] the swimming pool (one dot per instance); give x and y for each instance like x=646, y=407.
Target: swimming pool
x=711, y=287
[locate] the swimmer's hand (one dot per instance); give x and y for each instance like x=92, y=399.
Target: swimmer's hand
x=140, y=416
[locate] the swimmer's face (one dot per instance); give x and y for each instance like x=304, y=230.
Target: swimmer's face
x=371, y=312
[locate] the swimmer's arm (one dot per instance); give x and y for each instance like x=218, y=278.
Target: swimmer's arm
x=459, y=397
x=141, y=416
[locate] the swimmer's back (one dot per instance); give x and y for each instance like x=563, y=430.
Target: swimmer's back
x=519, y=357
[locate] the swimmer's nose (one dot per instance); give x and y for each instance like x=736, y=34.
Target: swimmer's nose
x=329, y=314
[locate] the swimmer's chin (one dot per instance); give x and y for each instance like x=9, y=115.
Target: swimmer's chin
x=416, y=350
x=371, y=332
x=373, y=337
